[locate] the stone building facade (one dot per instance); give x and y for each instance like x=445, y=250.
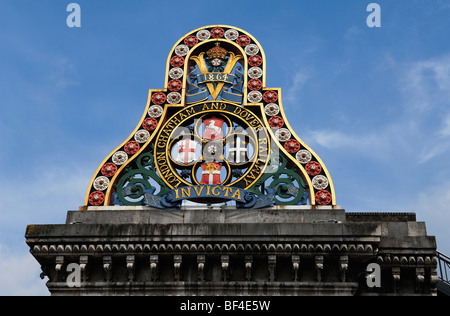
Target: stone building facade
x=226, y=251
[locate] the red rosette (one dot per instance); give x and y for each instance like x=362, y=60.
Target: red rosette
x=175, y=85
x=276, y=122
x=254, y=84
x=313, y=168
x=255, y=60
x=131, y=147
x=177, y=61
x=158, y=98
x=270, y=96
x=292, y=146
x=217, y=32
x=109, y=169
x=150, y=124
x=191, y=41
x=96, y=198
x=323, y=197
x=243, y=40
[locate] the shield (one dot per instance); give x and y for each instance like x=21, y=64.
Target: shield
x=213, y=128
x=211, y=173
x=186, y=151
x=237, y=149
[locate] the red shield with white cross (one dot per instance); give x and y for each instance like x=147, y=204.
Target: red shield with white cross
x=211, y=173
x=213, y=128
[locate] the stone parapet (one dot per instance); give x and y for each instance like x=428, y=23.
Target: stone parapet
x=227, y=251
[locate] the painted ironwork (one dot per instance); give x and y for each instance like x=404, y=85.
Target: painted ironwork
x=214, y=126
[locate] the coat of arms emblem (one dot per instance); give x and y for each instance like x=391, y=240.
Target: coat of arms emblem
x=215, y=133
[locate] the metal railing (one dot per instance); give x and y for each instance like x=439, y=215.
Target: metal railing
x=444, y=267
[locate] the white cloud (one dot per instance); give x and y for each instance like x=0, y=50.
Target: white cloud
x=445, y=127
x=298, y=81
x=427, y=83
x=433, y=206
x=19, y=275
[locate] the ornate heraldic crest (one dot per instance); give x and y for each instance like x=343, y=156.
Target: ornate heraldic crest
x=214, y=133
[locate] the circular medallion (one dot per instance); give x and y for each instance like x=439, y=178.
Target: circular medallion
x=231, y=34
x=276, y=122
x=101, y=183
x=254, y=97
x=176, y=73
x=283, y=134
x=254, y=84
x=182, y=50
x=255, y=61
x=174, y=85
x=212, y=143
x=323, y=197
x=217, y=32
x=173, y=98
x=203, y=35
x=150, y=123
x=255, y=72
x=158, y=98
x=270, y=96
x=303, y=156
x=313, y=168
x=120, y=157
x=131, y=147
x=96, y=198
x=155, y=110
x=320, y=182
x=251, y=49
x=190, y=41
x=109, y=169
x=272, y=109
x=243, y=40
x=292, y=146
x=177, y=61
x=141, y=136
x=213, y=151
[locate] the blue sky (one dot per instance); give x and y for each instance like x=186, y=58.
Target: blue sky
x=373, y=103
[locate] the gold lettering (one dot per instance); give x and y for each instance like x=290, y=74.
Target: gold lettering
x=176, y=120
x=247, y=182
x=171, y=178
x=254, y=122
x=207, y=190
x=190, y=111
x=186, y=192
x=256, y=170
x=183, y=116
x=238, y=193
x=227, y=191
x=215, y=193
x=176, y=194
x=197, y=191
x=162, y=141
x=178, y=183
